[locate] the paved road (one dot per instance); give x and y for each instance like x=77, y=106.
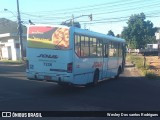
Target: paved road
x=130, y=92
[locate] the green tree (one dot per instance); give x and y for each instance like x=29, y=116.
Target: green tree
x=139, y=32
x=110, y=32
x=118, y=35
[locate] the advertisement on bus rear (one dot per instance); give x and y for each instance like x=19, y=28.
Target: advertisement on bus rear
x=48, y=37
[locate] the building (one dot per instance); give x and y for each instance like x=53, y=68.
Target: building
x=158, y=40
x=10, y=47
x=155, y=45
x=152, y=46
x=157, y=34
x=9, y=40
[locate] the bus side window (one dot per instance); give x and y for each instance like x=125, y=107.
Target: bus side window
x=77, y=45
x=93, y=47
x=99, y=48
x=85, y=47
x=105, y=50
x=78, y=51
x=111, y=50
x=115, y=46
x=120, y=49
x=82, y=46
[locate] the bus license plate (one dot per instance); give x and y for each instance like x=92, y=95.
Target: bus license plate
x=47, y=77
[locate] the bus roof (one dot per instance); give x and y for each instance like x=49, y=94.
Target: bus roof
x=98, y=35
x=84, y=32
x=47, y=25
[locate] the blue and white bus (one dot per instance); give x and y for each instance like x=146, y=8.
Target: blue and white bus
x=72, y=55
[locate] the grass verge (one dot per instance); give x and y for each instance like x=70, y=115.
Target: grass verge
x=138, y=60
x=12, y=62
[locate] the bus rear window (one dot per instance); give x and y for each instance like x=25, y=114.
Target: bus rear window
x=48, y=37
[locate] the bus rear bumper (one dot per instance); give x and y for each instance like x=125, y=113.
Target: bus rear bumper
x=60, y=78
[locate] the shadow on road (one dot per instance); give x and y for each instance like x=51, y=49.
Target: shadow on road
x=128, y=93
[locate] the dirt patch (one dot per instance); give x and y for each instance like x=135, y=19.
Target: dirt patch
x=154, y=64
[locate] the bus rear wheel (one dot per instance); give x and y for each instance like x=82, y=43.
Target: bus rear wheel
x=96, y=77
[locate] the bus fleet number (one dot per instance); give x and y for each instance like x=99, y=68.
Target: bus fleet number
x=47, y=64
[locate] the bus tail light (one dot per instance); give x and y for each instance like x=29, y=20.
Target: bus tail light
x=69, y=67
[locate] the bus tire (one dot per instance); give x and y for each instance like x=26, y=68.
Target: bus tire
x=118, y=72
x=96, y=77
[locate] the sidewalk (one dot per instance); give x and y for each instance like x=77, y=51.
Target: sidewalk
x=2, y=63
x=129, y=64
x=134, y=72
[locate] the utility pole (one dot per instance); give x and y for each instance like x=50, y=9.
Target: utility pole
x=20, y=31
x=72, y=20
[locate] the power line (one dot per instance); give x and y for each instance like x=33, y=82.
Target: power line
x=122, y=9
x=127, y=9
x=84, y=7
x=101, y=12
x=95, y=7
x=111, y=19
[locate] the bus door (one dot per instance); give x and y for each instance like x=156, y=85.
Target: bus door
x=105, y=60
x=112, y=59
x=123, y=56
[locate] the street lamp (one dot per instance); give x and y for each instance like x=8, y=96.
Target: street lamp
x=10, y=12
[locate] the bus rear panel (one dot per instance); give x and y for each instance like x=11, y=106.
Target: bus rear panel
x=48, y=52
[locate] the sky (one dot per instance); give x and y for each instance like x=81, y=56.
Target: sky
x=106, y=14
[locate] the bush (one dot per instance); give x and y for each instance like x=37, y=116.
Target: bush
x=151, y=75
x=137, y=60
